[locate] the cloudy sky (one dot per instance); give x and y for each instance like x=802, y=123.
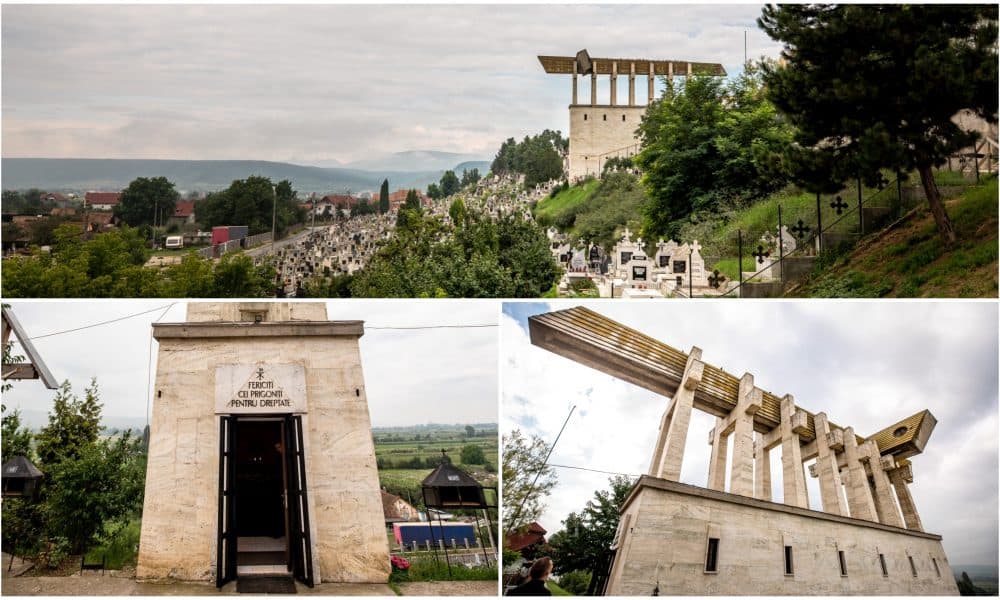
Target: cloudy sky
x=865, y=364
x=411, y=376
x=312, y=83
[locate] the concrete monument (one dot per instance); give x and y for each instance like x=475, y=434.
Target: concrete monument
x=261, y=458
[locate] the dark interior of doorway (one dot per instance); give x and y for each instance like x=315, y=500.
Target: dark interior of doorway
x=261, y=521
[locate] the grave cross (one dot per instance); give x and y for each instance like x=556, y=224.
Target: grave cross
x=800, y=230
x=838, y=204
x=715, y=279
x=761, y=254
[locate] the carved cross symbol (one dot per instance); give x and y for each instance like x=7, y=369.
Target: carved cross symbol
x=838, y=204
x=715, y=279
x=800, y=230
x=260, y=373
x=761, y=254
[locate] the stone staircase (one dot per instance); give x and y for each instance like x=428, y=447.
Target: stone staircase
x=261, y=556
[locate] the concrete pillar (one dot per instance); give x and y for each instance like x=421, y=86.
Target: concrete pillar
x=649, y=81
x=614, y=83
x=901, y=477
x=762, y=471
x=885, y=504
x=631, y=84
x=748, y=402
x=593, y=84
x=574, y=83
x=826, y=466
x=688, y=71
x=717, y=463
x=673, y=435
x=859, y=497
x=792, y=476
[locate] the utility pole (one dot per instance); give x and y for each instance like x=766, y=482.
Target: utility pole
x=274, y=216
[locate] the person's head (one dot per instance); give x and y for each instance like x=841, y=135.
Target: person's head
x=541, y=568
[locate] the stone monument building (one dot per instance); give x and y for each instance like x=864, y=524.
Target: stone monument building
x=676, y=539
x=261, y=459
x=599, y=131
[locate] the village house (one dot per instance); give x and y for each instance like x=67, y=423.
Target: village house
x=102, y=200
x=183, y=213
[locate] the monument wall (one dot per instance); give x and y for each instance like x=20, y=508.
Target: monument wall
x=666, y=546
x=597, y=133
x=180, y=514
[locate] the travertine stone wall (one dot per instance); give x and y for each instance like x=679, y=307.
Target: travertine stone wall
x=594, y=139
x=666, y=538
x=179, y=524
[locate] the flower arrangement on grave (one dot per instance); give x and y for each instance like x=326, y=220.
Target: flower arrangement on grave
x=399, y=563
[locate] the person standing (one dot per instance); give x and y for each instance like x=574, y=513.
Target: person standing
x=537, y=574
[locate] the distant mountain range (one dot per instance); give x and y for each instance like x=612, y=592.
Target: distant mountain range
x=80, y=175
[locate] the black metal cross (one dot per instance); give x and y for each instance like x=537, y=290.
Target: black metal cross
x=260, y=373
x=838, y=204
x=716, y=279
x=800, y=230
x=761, y=254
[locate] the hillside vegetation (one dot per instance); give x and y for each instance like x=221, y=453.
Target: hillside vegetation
x=910, y=260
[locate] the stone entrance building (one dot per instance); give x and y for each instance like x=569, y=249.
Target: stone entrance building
x=261, y=459
x=676, y=539
x=599, y=131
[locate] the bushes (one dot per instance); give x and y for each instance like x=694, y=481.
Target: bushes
x=575, y=582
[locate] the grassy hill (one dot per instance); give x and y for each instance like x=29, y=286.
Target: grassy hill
x=910, y=260
x=74, y=174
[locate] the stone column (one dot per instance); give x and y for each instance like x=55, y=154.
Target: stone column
x=717, y=463
x=859, y=498
x=901, y=477
x=762, y=471
x=574, y=83
x=649, y=81
x=793, y=477
x=593, y=84
x=885, y=505
x=673, y=434
x=826, y=465
x=613, y=79
x=748, y=402
x=688, y=70
x=631, y=84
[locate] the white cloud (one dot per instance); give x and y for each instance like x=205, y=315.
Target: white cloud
x=316, y=82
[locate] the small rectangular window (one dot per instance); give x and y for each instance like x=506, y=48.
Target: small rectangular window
x=843, y=563
x=712, y=556
x=623, y=118
x=789, y=568
x=913, y=567
x=881, y=561
x=584, y=116
x=936, y=569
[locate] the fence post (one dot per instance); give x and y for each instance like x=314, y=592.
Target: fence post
x=739, y=266
x=861, y=214
x=781, y=250
x=819, y=226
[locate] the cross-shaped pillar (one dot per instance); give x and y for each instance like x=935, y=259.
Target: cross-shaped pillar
x=593, y=84
x=859, y=497
x=900, y=477
x=793, y=477
x=574, y=83
x=614, y=83
x=631, y=84
x=669, y=452
x=826, y=465
x=747, y=404
x=885, y=505
x=717, y=463
x=762, y=470
x=649, y=81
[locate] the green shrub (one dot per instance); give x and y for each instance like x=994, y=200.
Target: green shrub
x=575, y=582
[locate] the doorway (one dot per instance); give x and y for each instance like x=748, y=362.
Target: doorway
x=263, y=517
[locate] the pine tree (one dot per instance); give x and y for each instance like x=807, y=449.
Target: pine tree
x=873, y=87
x=383, y=197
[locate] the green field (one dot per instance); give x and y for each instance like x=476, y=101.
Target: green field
x=548, y=209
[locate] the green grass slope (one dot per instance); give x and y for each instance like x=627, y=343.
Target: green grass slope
x=910, y=260
x=550, y=209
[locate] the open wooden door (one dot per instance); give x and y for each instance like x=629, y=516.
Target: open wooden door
x=225, y=560
x=299, y=541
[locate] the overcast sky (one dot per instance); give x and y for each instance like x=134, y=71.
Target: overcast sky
x=411, y=376
x=866, y=364
x=311, y=83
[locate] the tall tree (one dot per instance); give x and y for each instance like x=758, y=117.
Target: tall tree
x=74, y=424
x=383, y=197
x=147, y=201
x=523, y=496
x=449, y=184
x=874, y=87
x=586, y=537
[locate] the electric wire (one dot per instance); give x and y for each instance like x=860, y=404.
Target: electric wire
x=45, y=335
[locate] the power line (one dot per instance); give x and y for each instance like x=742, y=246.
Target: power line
x=45, y=335
x=593, y=470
